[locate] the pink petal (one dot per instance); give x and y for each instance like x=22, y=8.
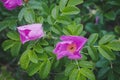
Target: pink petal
x=24, y=35
x=61, y=49
x=75, y=56
x=12, y=4
x=23, y=38
x=3, y=0
x=19, y=2
x=61, y=46
x=30, y=32
x=62, y=54
x=78, y=40
x=36, y=32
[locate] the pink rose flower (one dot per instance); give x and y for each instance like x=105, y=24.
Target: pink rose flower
x=70, y=47
x=12, y=4
x=30, y=32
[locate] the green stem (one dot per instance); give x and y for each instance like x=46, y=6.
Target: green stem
x=77, y=64
x=111, y=64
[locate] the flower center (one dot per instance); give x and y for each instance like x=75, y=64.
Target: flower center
x=71, y=48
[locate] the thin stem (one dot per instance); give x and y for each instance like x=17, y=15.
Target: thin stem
x=77, y=64
x=111, y=64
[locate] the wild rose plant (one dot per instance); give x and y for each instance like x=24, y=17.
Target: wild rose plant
x=60, y=39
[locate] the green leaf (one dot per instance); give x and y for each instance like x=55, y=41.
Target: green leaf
x=13, y=35
x=102, y=63
x=21, y=14
x=60, y=76
x=74, y=74
x=92, y=51
x=45, y=69
x=84, y=57
x=78, y=29
x=114, y=3
x=107, y=53
x=111, y=15
x=40, y=19
x=92, y=28
x=3, y=25
x=117, y=29
x=15, y=49
x=66, y=31
x=117, y=69
x=114, y=45
x=49, y=49
x=106, y=38
x=29, y=15
x=7, y=44
x=102, y=72
x=70, y=30
x=44, y=42
x=56, y=29
x=10, y=22
x=24, y=60
x=50, y=20
x=34, y=68
x=43, y=56
x=69, y=68
x=92, y=39
x=32, y=56
x=63, y=19
x=38, y=48
x=62, y=4
x=80, y=76
x=70, y=10
x=36, y=4
x=87, y=73
x=55, y=12
x=74, y=2
x=111, y=75
x=86, y=64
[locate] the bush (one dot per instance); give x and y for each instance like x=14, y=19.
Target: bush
x=35, y=59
